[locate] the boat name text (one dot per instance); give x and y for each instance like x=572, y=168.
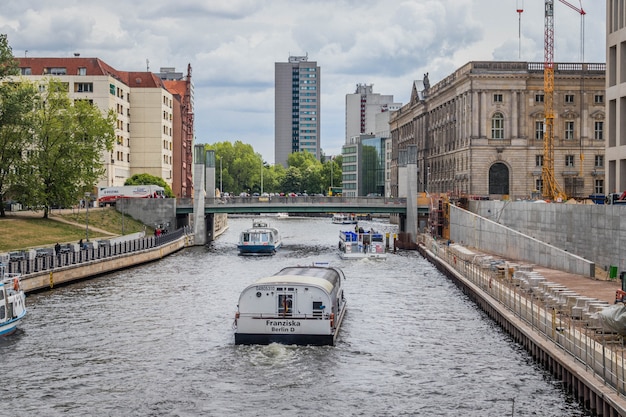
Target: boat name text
x=265, y=288
x=282, y=326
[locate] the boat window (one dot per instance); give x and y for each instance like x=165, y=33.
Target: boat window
x=1, y=295
x=318, y=306
x=2, y=312
x=285, y=304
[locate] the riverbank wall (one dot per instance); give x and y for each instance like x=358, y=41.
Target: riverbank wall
x=590, y=368
x=91, y=266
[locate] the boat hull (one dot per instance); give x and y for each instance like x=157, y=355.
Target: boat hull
x=300, y=339
x=10, y=326
x=257, y=249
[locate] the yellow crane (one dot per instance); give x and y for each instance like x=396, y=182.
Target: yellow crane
x=551, y=188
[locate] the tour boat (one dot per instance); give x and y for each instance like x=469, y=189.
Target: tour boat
x=12, y=301
x=362, y=244
x=260, y=239
x=300, y=305
x=344, y=218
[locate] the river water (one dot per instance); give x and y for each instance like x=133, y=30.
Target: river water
x=157, y=340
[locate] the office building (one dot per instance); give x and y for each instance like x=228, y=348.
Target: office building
x=297, y=108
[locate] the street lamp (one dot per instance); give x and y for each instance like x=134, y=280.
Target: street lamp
x=87, y=201
x=261, y=177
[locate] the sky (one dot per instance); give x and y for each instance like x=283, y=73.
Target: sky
x=232, y=46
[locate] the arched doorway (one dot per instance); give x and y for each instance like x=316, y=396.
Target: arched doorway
x=499, y=179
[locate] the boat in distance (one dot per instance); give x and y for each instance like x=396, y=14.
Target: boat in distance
x=360, y=244
x=344, y=218
x=299, y=305
x=12, y=301
x=260, y=239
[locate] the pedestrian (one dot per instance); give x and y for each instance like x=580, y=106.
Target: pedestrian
x=57, y=248
x=80, y=244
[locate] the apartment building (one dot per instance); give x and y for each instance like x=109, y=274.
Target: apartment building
x=297, y=108
x=480, y=130
x=145, y=109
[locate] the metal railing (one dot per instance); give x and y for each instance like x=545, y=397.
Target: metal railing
x=35, y=262
x=600, y=352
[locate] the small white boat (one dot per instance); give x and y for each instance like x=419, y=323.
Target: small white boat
x=362, y=244
x=301, y=305
x=260, y=239
x=12, y=301
x=344, y=218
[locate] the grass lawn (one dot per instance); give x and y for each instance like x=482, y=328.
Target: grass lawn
x=24, y=232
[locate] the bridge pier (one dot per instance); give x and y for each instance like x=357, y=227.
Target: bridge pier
x=199, y=193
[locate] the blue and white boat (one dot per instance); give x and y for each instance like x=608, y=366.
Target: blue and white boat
x=12, y=301
x=362, y=244
x=260, y=239
x=299, y=305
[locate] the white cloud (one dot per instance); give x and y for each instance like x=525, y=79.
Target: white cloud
x=232, y=47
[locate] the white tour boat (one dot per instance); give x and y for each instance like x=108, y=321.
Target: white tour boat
x=301, y=305
x=12, y=301
x=362, y=244
x=344, y=218
x=260, y=239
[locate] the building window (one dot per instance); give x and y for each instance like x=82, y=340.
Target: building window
x=538, y=160
x=598, y=131
x=82, y=71
x=538, y=130
x=55, y=71
x=598, y=161
x=599, y=187
x=598, y=99
x=497, y=126
x=26, y=71
x=539, y=184
x=538, y=98
x=569, y=98
x=569, y=130
x=569, y=160
x=497, y=98
x=83, y=87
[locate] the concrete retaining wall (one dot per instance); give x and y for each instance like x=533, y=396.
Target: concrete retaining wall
x=594, y=232
x=470, y=229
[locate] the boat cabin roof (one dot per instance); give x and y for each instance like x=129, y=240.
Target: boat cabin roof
x=326, y=278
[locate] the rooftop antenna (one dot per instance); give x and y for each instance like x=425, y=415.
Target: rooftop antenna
x=147, y=65
x=25, y=53
x=520, y=10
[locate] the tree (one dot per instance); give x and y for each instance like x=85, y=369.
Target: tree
x=69, y=141
x=16, y=105
x=147, y=179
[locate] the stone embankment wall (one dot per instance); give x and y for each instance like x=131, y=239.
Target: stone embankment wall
x=489, y=235
x=58, y=276
x=594, y=232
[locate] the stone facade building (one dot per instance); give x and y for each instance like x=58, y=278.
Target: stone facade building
x=480, y=130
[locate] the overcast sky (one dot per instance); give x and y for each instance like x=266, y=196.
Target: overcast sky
x=232, y=46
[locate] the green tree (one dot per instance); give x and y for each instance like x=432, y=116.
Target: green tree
x=16, y=106
x=70, y=138
x=147, y=179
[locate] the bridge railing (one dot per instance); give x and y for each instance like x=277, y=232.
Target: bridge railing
x=306, y=200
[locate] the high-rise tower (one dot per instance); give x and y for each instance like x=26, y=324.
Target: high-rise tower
x=297, y=108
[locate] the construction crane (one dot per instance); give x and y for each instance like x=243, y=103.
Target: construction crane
x=551, y=188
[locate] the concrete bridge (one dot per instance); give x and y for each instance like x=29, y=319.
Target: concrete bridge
x=300, y=204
